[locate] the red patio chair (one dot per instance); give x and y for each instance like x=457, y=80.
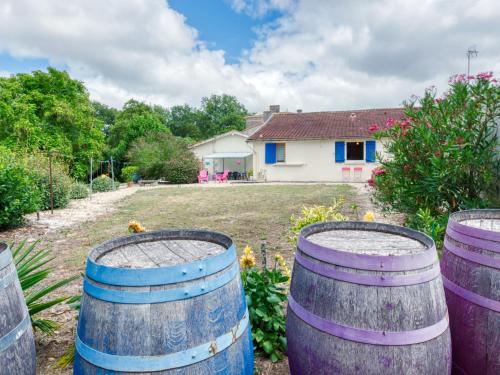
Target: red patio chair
x=346, y=174
x=357, y=173
x=203, y=176
x=222, y=177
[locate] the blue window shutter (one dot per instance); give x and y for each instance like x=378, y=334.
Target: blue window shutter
x=339, y=152
x=270, y=153
x=370, y=151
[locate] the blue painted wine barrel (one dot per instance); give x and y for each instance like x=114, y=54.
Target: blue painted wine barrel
x=17, y=344
x=168, y=302
x=367, y=299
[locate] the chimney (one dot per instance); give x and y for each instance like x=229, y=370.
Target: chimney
x=274, y=108
x=266, y=114
x=299, y=111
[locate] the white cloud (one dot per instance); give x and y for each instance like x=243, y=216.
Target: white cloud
x=320, y=55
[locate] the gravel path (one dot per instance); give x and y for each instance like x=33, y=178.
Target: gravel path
x=82, y=210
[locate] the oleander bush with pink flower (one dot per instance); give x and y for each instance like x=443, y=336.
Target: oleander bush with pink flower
x=444, y=157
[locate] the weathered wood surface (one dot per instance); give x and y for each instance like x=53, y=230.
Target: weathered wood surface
x=475, y=329
x=159, y=253
x=169, y=327
x=366, y=307
x=19, y=357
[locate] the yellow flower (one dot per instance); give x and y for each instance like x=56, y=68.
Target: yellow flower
x=247, y=261
x=247, y=250
x=369, y=216
x=282, y=263
x=135, y=227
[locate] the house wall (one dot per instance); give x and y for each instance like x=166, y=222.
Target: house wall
x=311, y=160
x=229, y=143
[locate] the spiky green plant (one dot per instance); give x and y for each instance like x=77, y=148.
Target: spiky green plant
x=32, y=270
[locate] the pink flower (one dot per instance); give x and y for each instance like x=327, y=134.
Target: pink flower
x=405, y=124
x=457, y=78
x=373, y=128
x=371, y=182
x=485, y=76
x=438, y=100
x=470, y=77
x=390, y=122
x=429, y=125
x=378, y=171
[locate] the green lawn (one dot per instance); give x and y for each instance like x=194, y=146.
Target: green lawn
x=247, y=213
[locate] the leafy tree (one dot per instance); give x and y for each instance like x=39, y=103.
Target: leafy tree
x=220, y=114
x=106, y=114
x=183, y=120
x=134, y=121
x=49, y=111
x=162, y=155
x=445, y=155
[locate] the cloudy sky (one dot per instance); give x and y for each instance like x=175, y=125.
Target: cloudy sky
x=308, y=54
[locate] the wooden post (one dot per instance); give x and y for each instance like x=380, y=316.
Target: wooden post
x=91, y=174
x=112, y=173
x=50, y=184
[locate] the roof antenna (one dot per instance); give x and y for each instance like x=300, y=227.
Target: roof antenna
x=471, y=52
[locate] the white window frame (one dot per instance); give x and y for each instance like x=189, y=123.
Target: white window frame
x=284, y=152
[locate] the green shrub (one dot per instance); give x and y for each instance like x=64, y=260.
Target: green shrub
x=61, y=186
x=443, y=158
x=61, y=182
x=181, y=170
x=266, y=293
x=316, y=214
x=161, y=155
x=103, y=183
x=18, y=193
x=79, y=190
x=433, y=226
x=128, y=173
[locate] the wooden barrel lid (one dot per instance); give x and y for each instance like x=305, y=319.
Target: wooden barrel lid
x=368, y=242
x=159, y=253
x=160, y=257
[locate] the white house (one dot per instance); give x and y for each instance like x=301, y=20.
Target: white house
x=319, y=146
x=227, y=151
x=230, y=150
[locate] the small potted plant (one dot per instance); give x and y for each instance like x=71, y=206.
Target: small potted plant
x=128, y=174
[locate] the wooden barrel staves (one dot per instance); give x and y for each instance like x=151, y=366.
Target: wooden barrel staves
x=17, y=344
x=168, y=302
x=471, y=276
x=367, y=298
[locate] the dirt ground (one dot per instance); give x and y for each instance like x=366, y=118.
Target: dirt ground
x=249, y=213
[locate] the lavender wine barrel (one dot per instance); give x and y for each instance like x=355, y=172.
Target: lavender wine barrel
x=17, y=344
x=165, y=302
x=471, y=276
x=367, y=298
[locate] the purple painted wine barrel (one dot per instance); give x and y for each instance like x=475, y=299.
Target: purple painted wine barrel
x=367, y=298
x=471, y=276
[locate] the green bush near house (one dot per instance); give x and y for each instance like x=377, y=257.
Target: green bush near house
x=103, y=183
x=181, y=170
x=162, y=155
x=79, y=190
x=19, y=194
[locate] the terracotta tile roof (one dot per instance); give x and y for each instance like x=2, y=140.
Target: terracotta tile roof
x=324, y=125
